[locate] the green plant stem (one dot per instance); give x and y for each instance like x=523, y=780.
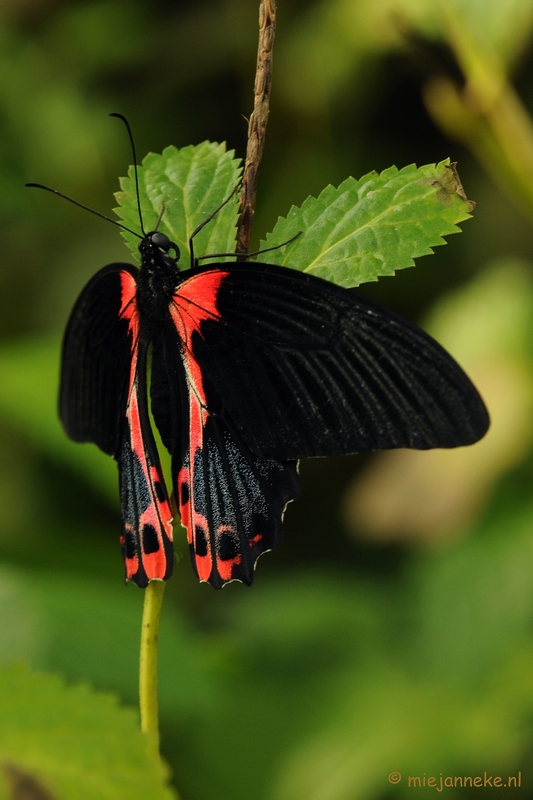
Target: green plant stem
x=153, y=603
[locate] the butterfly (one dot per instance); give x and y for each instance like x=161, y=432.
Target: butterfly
x=249, y=366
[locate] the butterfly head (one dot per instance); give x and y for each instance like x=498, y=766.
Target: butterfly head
x=156, y=247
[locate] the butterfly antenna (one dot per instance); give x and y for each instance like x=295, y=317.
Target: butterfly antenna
x=130, y=134
x=257, y=252
x=76, y=203
x=204, y=223
x=160, y=217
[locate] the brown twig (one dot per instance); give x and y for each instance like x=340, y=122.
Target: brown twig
x=258, y=122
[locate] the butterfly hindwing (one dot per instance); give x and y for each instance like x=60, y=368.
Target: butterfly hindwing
x=103, y=399
x=306, y=368
x=231, y=502
x=146, y=512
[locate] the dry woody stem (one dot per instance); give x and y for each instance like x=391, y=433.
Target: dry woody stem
x=258, y=122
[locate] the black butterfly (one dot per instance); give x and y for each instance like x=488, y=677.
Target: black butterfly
x=253, y=366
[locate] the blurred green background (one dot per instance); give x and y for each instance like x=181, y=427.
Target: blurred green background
x=392, y=630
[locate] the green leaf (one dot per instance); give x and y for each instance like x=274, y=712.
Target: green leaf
x=73, y=742
x=89, y=629
x=190, y=183
x=372, y=226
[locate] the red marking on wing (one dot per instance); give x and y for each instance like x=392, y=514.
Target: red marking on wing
x=204, y=565
x=194, y=302
x=157, y=514
x=225, y=568
x=192, y=518
x=128, y=303
x=184, y=505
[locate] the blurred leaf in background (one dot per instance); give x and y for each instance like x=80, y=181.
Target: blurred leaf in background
x=60, y=742
x=392, y=629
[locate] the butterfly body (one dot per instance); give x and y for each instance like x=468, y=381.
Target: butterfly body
x=156, y=283
x=253, y=366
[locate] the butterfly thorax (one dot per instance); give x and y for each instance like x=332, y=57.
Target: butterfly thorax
x=158, y=277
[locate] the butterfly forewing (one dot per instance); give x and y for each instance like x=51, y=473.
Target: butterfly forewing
x=305, y=368
x=96, y=356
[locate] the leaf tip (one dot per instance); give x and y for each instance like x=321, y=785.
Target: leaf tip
x=448, y=183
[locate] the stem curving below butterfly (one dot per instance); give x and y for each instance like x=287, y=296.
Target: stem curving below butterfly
x=153, y=604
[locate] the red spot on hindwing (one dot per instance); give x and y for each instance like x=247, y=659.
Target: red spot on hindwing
x=225, y=566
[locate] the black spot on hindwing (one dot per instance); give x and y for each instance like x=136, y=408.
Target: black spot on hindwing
x=200, y=541
x=240, y=498
x=149, y=539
